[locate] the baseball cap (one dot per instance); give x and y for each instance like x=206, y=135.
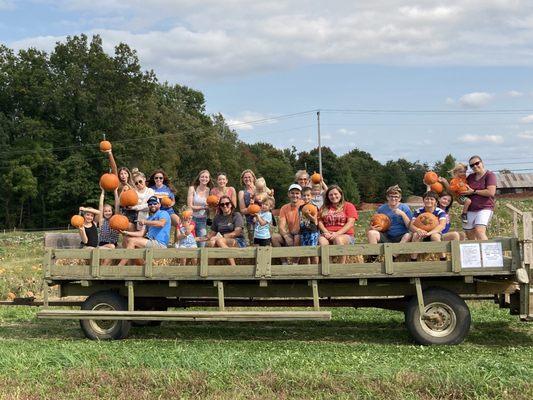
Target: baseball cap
x=295, y=186
x=153, y=200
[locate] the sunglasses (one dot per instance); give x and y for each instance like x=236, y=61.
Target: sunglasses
x=153, y=204
x=159, y=177
x=259, y=203
x=475, y=164
x=138, y=182
x=224, y=204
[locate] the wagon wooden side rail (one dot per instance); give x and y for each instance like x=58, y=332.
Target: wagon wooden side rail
x=428, y=291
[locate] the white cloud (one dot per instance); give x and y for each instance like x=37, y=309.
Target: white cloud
x=346, y=132
x=449, y=101
x=526, y=135
x=182, y=41
x=475, y=99
x=481, y=139
x=528, y=119
x=514, y=93
x=247, y=120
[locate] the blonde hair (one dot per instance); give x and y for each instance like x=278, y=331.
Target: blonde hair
x=458, y=167
x=135, y=172
x=301, y=173
x=261, y=183
x=248, y=171
x=196, y=181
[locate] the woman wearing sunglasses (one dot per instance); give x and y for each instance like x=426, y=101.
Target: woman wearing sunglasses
x=483, y=190
x=143, y=193
x=227, y=227
x=162, y=187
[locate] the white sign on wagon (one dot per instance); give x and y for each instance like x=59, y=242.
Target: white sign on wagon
x=470, y=255
x=492, y=254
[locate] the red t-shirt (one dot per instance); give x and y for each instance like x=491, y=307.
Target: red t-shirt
x=481, y=202
x=335, y=219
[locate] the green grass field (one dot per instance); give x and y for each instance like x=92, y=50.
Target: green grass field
x=363, y=354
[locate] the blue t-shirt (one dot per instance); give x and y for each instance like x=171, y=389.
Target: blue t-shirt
x=263, y=232
x=397, y=226
x=439, y=213
x=162, y=235
x=164, y=191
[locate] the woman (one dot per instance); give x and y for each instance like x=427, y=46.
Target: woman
x=223, y=190
x=302, y=178
x=143, y=193
x=483, y=190
x=436, y=234
x=124, y=175
x=337, y=218
x=227, y=228
x=246, y=197
x=445, y=203
x=197, y=201
x=162, y=187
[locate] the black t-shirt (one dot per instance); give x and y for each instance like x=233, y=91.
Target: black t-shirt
x=92, y=236
x=227, y=223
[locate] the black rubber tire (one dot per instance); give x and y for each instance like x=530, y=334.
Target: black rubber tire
x=453, y=311
x=105, y=330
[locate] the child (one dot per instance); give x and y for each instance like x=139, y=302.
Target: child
x=317, y=195
x=261, y=188
x=185, y=237
x=108, y=237
x=459, y=180
x=308, y=221
x=89, y=230
x=262, y=221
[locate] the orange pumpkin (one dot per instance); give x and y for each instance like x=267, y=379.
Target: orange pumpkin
x=426, y=221
x=109, y=182
x=458, y=186
x=437, y=187
x=380, y=222
x=105, y=145
x=186, y=214
x=253, y=209
x=77, y=221
x=310, y=209
x=430, y=178
x=212, y=200
x=316, y=178
x=166, y=201
x=119, y=222
x=129, y=198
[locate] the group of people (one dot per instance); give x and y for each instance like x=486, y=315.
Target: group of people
x=314, y=215
x=478, y=200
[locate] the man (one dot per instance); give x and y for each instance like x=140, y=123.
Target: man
x=155, y=231
x=289, y=220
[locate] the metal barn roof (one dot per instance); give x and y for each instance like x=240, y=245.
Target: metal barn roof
x=509, y=181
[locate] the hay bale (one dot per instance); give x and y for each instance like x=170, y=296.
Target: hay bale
x=71, y=261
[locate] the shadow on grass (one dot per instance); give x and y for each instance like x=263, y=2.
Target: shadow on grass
x=366, y=328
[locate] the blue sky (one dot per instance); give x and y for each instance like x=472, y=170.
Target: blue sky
x=439, y=77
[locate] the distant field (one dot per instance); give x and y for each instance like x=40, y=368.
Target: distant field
x=363, y=354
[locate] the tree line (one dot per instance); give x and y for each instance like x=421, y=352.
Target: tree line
x=55, y=109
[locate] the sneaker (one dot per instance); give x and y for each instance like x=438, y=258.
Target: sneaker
x=464, y=218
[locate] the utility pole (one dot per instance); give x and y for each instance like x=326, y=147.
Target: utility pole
x=319, y=145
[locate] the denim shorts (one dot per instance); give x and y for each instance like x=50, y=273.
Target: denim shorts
x=309, y=238
x=241, y=242
x=200, y=229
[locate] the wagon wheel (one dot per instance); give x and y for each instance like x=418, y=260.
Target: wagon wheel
x=446, y=319
x=105, y=329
